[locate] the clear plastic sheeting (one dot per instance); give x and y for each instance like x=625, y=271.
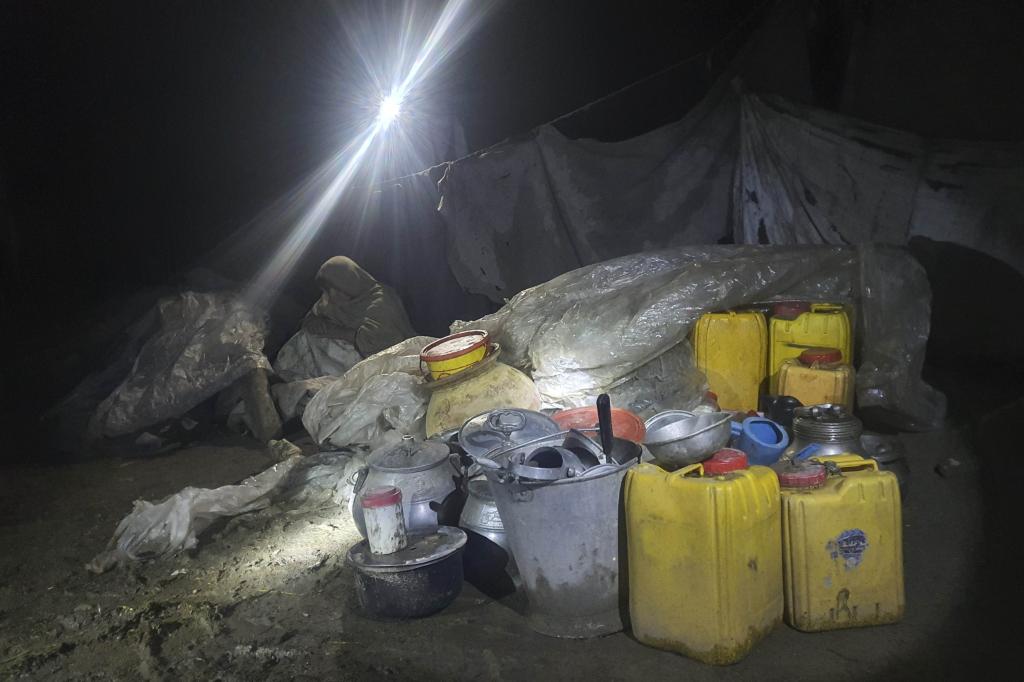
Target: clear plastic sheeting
x=590, y=330
x=326, y=478
x=670, y=381
x=308, y=356
x=205, y=342
x=291, y=398
x=380, y=394
x=161, y=529
x=155, y=530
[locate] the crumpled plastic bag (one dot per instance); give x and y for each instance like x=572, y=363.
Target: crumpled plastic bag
x=381, y=393
x=161, y=529
x=308, y=356
x=327, y=478
x=205, y=343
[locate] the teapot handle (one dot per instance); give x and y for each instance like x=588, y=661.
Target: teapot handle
x=358, y=479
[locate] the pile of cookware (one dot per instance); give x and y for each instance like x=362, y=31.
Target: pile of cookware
x=513, y=500
x=539, y=512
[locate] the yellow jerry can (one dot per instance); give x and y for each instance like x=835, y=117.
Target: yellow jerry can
x=794, y=328
x=818, y=376
x=704, y=561
x=842, y=544
x=731, y=349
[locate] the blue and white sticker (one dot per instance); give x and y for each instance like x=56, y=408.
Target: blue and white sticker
x=849, y=546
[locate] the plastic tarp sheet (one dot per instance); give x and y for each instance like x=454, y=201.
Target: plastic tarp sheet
x=205, y=342
x=154, y=530
x=380, y=394
x=308, y=356
x=527, y=211
x=591, y=329
x=738, y=167
x=810, y=177
x=291, y=398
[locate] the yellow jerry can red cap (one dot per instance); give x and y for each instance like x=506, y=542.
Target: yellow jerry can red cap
x=725, y=461
x=790, y=310
x=801, y=475
x=821, y=356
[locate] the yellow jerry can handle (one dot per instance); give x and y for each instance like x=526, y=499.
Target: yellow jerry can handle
x=847, y=462
x=826, y=308
x=690, y=468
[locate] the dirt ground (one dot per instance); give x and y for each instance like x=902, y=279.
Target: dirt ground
x=267, y=595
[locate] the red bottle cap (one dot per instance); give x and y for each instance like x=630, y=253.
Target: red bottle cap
x=821, y=355
x=724, y=461
x=790, y=310
x=801, y=475
x=381, y=497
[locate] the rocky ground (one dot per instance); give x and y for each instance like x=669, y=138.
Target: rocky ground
x=267, y=595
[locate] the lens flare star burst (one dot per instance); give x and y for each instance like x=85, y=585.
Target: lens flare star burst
x=398, y=58
x=390, y=110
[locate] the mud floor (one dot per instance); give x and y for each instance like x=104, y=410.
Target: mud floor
x=267, y=595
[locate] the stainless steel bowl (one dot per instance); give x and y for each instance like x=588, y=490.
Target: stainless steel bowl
x=679, y=438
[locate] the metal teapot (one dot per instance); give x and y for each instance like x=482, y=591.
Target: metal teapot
x=427, y=474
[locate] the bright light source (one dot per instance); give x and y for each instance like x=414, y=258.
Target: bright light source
x=390, y=109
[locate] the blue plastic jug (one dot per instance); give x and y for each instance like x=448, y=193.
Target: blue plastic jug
x=762, y=439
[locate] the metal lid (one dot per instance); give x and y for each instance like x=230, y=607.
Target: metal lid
x=504, y=428
x=381, y=497
x=811, y=356
x=409, y=455
x=801, y=475
x=725, y=461
x=422, y=549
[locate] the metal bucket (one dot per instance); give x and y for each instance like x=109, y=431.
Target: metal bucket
x=564, y=537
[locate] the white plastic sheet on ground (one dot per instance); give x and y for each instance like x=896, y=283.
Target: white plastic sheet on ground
x=161, y=529
x=589, y=330
x=154, y=530
x=205, y=342
x=380, y=394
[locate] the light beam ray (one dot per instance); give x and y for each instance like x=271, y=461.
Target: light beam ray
x=456, y=21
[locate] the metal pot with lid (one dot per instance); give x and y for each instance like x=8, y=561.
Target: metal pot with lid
x=501, y=429
x=427, y=474
x=487, y=560
x=830, y=426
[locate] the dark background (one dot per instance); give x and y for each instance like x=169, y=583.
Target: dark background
x=136, y=137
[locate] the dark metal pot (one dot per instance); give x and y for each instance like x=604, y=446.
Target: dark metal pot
x=417, y=581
